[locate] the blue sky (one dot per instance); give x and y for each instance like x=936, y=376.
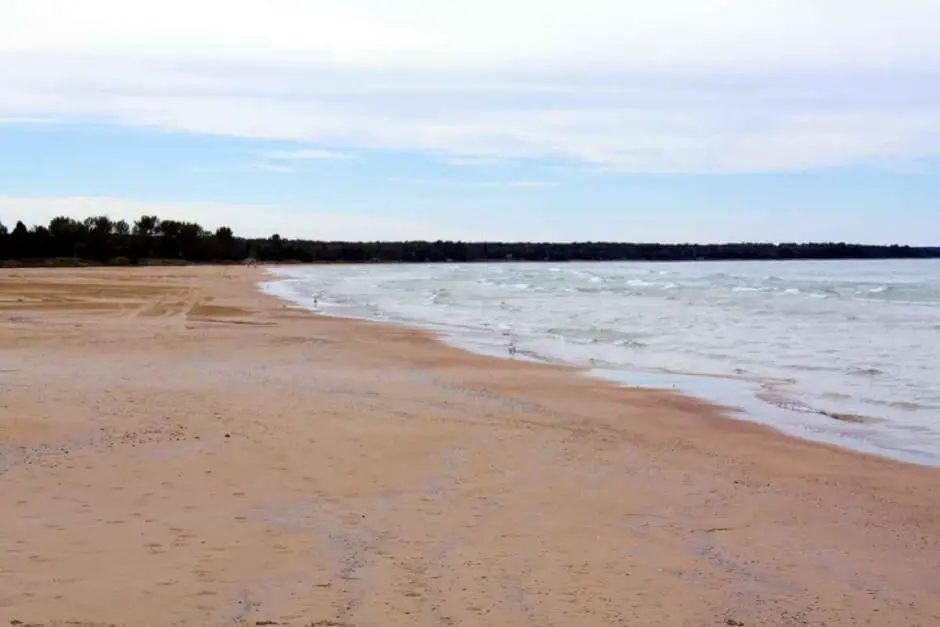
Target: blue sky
x=686, y=121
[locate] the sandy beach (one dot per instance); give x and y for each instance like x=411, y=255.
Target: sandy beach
x=177, y=448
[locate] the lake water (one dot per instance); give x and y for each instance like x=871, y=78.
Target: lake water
x=840, y=351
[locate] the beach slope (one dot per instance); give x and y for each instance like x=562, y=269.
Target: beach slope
x=177, y=448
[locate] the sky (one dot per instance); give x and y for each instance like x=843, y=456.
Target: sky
x=549, y=120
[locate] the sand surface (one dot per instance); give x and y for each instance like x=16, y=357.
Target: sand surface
x=178, y=449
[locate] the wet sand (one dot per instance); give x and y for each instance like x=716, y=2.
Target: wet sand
x=178, y=449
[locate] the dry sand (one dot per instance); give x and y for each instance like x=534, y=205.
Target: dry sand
x=177, y=449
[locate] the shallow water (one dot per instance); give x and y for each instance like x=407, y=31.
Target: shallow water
x=842, y=351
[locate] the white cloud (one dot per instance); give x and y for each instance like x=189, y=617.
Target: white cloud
x=306, y=154
x=465, y=160
x=518, y=184
x=244, y=219
x=532, y=184
x=269, y=167
x=675, y=85
x=415, y=34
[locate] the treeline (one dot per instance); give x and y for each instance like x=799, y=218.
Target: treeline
x=101, y=240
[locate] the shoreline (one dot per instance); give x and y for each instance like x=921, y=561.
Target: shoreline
x=738, y=399
x=225, y=458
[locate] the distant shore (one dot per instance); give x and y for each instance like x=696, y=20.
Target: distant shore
x=75, y=263
x=103, y=240
x=178, y=448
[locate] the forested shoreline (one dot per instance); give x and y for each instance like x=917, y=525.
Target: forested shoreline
x=149, y=239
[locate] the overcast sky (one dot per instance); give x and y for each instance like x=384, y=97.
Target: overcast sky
x=679, y=120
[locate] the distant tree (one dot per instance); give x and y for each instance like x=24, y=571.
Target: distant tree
x=64, y=227
x=19, y=245
x=101, y=225
x=146, y=226
x=168, y=228
x=190, y=231
x=192, y=242
x=98, y=238
x=144, y=230
x=99, y=244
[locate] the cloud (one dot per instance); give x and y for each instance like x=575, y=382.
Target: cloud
x=532, y=184
x=464, y=160
x=245, y=219
x=274, y=160
x=253, y=166
x=490, y=34
x=306, y=154
x=672, y=86
x=440, y=182
x=269, y=167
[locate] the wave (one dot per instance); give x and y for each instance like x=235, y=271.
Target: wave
x=804, y=408
x=822, y=326
x=594, y=335
x=864, y=372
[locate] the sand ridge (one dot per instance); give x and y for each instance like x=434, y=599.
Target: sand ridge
x=177, y=448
